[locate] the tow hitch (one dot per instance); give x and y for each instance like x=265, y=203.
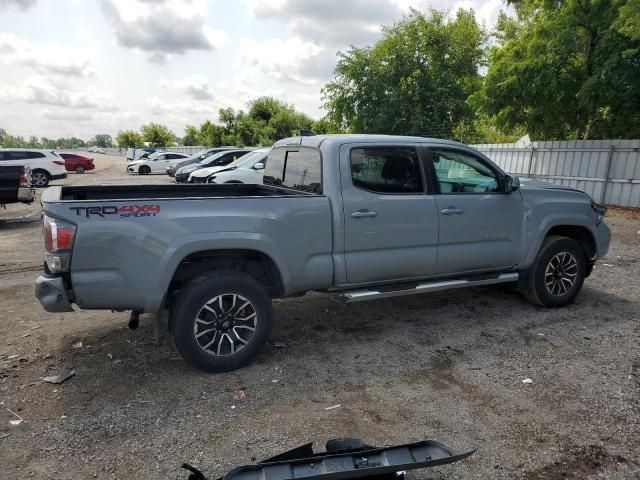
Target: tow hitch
x=346, y=458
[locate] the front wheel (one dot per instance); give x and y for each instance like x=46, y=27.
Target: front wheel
x=220, y=322
x=144, y=170
x=557, y=275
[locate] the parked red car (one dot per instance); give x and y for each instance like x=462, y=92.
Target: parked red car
x=77, y=163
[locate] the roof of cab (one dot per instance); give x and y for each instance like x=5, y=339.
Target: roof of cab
x=317, y=140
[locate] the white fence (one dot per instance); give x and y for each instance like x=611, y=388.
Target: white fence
x=608, y=170
x=187, y=150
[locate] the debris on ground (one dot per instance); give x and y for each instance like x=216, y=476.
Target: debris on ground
x=110, y=356
x=12, y=357
x=60, y=378
x=14, y=423
x=239, y=394
x=77, y=345
x=333, y=407
x=280, y=345
x=527, y=381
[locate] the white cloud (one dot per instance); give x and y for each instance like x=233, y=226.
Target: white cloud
x=43, y=91
x=159, y=106
x=21, y=4
x=336, y=23
x=162, y=27
x=293, y=59
x=342, y=23
x=67, y=116
x=196, y=86
x=48, y=58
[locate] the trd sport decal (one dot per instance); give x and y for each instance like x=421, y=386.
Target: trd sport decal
x=124, y=211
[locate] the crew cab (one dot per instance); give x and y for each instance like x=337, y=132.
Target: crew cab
x=365, y=216
x=15, y=184
x=45, y=165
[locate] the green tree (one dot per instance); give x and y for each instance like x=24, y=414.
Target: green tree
x=210, y=134
x=191, y=136
x=264, y=108
x=103, y=140
x=157, y=135
x=566, y=69
x=415, y=81
x=324, y=126
x=129, y=139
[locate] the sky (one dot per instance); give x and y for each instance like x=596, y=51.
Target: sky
x=81, y=67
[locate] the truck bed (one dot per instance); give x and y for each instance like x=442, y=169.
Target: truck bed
x=133, y=192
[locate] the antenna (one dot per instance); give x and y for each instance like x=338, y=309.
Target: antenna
x=305, y=132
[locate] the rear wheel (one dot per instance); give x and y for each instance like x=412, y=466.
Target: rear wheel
x=557, y=275
x=144, y=170
x=40, y=178
x=221, y=322
x=80, y=169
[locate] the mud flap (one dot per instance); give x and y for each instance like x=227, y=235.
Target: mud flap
x=357, y=461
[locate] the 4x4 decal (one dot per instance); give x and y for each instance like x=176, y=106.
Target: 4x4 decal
x=126, y=211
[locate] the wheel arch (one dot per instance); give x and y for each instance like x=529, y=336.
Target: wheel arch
x=577, y=227
x=580, y=235
x=200, y=258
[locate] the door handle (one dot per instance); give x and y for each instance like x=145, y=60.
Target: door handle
x=364, y=214
x=451, y=211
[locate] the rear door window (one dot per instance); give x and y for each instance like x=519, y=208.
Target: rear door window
x=298, y=169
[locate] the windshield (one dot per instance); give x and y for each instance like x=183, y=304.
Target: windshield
x=209, y=160
x=248, y=159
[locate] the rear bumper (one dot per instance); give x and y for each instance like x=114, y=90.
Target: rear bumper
x=26, y=194
x=58, y=177
x=52, y=294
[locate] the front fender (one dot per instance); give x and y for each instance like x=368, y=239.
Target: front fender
x=550, y=221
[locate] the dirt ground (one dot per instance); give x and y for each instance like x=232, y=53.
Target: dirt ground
x=447, y=366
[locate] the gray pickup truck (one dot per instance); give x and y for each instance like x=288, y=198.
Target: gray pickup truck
x=366, y=216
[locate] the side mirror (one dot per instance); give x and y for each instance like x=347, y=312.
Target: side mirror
x=511, y=183
x=258, y=166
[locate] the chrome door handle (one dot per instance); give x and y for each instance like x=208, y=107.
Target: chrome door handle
x=364, y=214
x=451, y=211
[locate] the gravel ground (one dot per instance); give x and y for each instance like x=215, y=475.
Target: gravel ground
x=447, y=366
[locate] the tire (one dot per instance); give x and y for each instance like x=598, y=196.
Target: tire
x=144, y=170
x=221, y=340
x=80, y=169
x=40, y=178
x=557, y=275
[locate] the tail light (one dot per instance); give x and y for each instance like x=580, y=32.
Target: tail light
x=25, y=178
x=58, y=241
x=58, y=162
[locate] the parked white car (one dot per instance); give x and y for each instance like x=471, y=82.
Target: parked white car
x=156, y=163
x=247, y=169
x=45, y=165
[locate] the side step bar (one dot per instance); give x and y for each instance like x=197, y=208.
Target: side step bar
x=435, y=286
